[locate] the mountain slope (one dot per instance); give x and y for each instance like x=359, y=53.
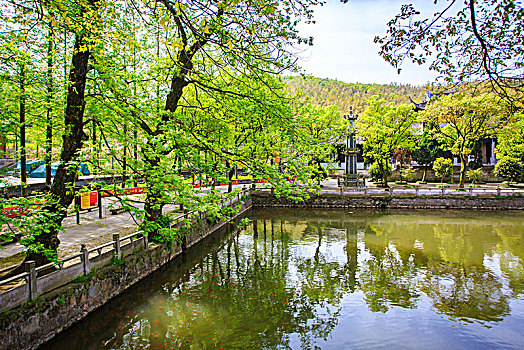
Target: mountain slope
x=332, y=92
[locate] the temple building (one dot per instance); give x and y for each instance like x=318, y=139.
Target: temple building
x=487, y=144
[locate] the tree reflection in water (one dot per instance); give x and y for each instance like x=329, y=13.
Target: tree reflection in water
x=282, y=282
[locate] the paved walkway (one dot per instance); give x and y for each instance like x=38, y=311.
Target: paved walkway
x=92, y=231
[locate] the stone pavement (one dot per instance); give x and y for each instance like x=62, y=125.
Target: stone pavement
x=92, y=231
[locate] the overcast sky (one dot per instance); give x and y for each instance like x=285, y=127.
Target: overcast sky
x=343, y=43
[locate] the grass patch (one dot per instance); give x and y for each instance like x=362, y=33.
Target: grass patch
x=84, y=278
x=116, y=260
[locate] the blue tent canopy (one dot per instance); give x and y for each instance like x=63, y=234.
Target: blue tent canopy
x=30, y=165
x=40, y=171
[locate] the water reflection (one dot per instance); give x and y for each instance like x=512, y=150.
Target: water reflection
x=297, y=279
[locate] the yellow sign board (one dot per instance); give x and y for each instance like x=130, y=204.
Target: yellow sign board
x=88, y=200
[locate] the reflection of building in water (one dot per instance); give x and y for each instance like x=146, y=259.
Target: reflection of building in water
x=332, y=231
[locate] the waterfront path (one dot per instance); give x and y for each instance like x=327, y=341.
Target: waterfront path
x=92, y=231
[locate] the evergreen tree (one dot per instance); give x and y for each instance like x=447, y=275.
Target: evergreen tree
x=427, y=150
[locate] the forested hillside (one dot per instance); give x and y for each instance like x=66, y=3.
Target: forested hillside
x=332, y=92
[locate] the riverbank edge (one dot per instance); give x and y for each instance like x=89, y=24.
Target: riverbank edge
x=264, y=199
x=32, y=324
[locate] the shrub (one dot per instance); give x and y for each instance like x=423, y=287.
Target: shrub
x=508, y=168
x=409, y=173
x=158, y=230
x=474, y=175
x=376, y=175
x=443, y=168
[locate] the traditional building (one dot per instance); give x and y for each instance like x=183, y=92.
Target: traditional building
x=487, y=144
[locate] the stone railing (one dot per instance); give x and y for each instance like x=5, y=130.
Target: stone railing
x=417, y=191
x=36, y=281
x=397, y=198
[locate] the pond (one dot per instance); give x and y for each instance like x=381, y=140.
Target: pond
x=331, y=280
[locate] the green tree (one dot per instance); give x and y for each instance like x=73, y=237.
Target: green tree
x=463, y=121
x=377, y=173
x=476, y=156
x=409, y=173
x=384, y=128
x=26, y=45
x=474, y=175
x=223, y=104
x=426, y=151
x=320, y=129
x=508, y=168
x=475, y=40
x=82, y=19
x=510, y=138
x=443, y=168
x=209, y=50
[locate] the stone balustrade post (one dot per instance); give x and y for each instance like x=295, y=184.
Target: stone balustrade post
x=85, y=258
x=416, y=191
x=146, y=242
x=498, y=190
x=442, y=190
x=116, y=243
x=471, y=191
x=30, y=268
x=365, y=191
x=391, y=191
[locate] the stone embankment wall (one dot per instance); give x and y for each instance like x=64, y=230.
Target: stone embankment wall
x=34, y=323
x=265, y=199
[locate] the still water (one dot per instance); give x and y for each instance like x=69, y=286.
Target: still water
x=331, y=280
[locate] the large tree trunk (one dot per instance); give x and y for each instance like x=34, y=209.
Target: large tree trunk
x=23, y=158
x=61, y=196
x=49, y=126
x=462, y=171
x=124, y=157
x=230, y=174
x=383, y=168
x=153, y=204
x=178, y=83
